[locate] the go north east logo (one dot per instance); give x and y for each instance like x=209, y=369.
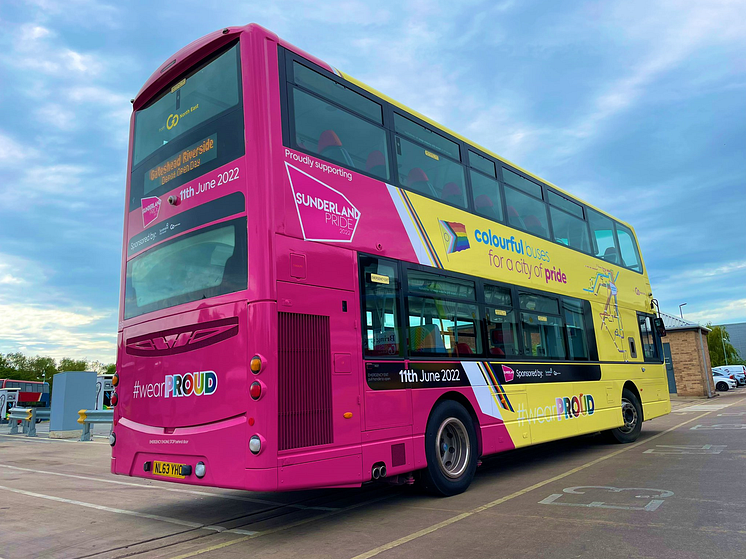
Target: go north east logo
x=324, y=213
x=455, y=238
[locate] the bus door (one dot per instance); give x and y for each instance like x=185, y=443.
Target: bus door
x=318, y=330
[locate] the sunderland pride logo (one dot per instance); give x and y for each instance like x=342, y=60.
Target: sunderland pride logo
x=324, y=213
x=151, y=207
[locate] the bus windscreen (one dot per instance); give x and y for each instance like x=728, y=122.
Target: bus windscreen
x=198, y=265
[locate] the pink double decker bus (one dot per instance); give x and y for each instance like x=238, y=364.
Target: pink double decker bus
x=321, y=287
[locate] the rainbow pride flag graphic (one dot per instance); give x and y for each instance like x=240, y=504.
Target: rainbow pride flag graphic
x=454, y=236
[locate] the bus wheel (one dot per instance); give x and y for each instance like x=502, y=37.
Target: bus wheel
x=451, y=450
x=632, y=415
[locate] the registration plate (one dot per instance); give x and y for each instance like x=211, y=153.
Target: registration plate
x=169, y=469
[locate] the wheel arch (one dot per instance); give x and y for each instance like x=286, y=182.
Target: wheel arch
x=464, y=401
x=629, y=385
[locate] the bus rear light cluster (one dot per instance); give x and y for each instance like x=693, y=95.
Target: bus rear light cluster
x=255, y=390
x=115, y=379
x=256, y=364
x=255, y=444
x=114, y=399
x=112, y=439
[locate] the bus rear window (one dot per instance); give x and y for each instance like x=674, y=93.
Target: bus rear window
x=201, y=95
x=199, y=265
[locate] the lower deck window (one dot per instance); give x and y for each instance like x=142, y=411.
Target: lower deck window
x=648, y=337
x=438, y=327
x=542, y=336
x=380, y=302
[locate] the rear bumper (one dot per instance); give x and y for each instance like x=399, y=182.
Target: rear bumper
x=221, y=446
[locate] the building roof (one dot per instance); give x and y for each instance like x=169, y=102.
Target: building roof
x=672, y=322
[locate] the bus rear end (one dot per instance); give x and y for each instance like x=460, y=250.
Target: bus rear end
x=183, y=407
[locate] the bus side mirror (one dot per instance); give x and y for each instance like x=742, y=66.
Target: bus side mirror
x=660, y=327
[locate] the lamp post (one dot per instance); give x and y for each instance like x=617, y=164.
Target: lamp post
x=680, y=311
x=722, y=340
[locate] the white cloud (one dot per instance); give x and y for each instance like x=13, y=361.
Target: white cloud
x=58, y=116
x=13, y=153
x=57, y=327
x=83, y=13
x=722, y=313
x=48, y=330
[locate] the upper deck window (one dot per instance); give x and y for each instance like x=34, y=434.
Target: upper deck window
x=570, y=231
x=343, y=96
x=428, y=173
x=565, y=204
x=340, y=136
x=516, y=180
x=602, y=229
x=482, y=164
x=526, y=212
x=199, y=96
x=426, y=137
x=628, y=247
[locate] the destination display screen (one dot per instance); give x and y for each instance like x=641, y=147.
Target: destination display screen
x=191, y=128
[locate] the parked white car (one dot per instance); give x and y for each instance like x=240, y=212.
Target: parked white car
x=722, y=382
x=738, y=371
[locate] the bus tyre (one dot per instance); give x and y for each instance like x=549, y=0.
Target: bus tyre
x=632, y=415
x=451, y=450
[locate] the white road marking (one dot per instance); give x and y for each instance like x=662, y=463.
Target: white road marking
x=656, y=499
x=176, y=521
x=20, y=437
x=730, y=413
x=669, y=449
x=171, y=489
x=703, y=407
x=105, y=508
x=718, y=427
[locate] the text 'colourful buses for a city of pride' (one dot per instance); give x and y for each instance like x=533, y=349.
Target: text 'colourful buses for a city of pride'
x=322, y=287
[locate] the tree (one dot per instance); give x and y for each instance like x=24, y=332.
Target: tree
x=718, y=341
x=18, y=367
x=67, y=364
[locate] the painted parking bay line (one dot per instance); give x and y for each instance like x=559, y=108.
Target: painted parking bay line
x=171, y=489
x=167, y=519
x=719, y=427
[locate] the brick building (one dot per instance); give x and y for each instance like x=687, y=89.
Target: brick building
x=687, y=358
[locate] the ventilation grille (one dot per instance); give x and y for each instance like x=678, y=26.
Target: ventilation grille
x=305, y=386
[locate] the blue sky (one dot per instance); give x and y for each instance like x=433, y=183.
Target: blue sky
x=637, y=107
